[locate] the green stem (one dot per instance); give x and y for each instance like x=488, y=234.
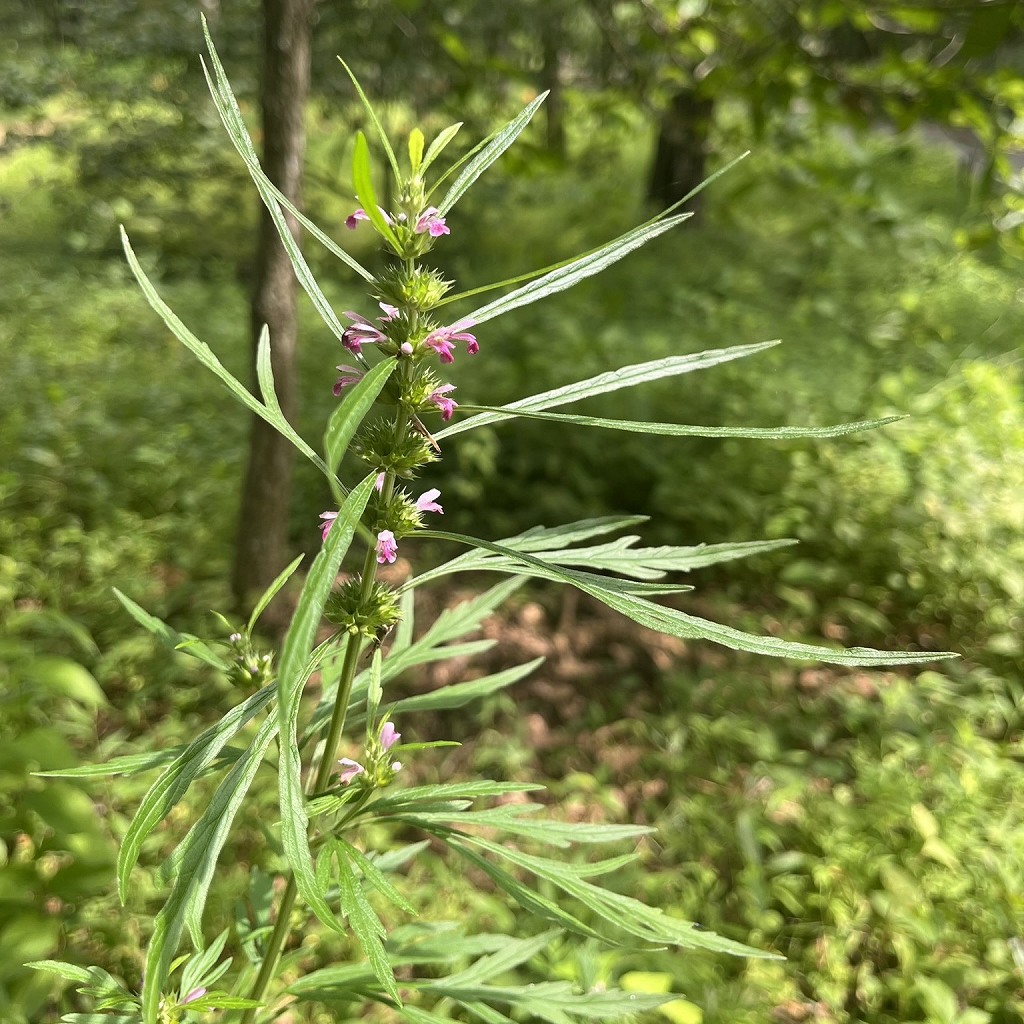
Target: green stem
x=282, y=926
x=325, y=767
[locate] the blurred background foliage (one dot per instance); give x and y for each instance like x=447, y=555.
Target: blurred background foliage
x=867, y=825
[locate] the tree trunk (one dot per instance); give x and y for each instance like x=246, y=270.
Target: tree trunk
x=551, y=79
x=681, y=153
x=261, y=547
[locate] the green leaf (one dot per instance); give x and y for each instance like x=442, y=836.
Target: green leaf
x=578, y=270
x=684, y=430
x=297, y=645
x=127, y=764
x=69, y=972
x=439, y=144
x=205, y=355
x=362, y=184
x=174, y=782
x=272, y=196
x=457, y=695
x=416, y=141
x=511, y=955
x=487, y=152
x=616, y=556
x=625, y=913
x=620, y=556
x=193, y=864
x=199, y=970
x=100, y=1018
x=416, y=796
x=613, y=380
x=366, y=925
x=373, y=874
x=555, y=833
x=375, y=121
x=345, y=419
x=271, y=592
x=689, y=627
x=171, y=637
x=556, y=1001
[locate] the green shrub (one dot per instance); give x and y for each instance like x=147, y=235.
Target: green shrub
x=920, y=525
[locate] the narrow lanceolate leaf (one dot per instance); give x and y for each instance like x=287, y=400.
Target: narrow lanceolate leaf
x=194, y=862
x=437, y=147
x=171, y=637
x=457, y=695
x=483, y=156
x=173, y=783
x=355, y=404
x=376, y=877
x=687, y=430
x=643, y=562
x=613, y=380
x=375, y=121
x=271, y=592
x=415, y=797
x=561, y=834
x=620, y=556
x=294, y=654
x=690, y=627
x=231, y=116
x=265, y=373
x=362, y=184
x=367, y=926
x=578, y=270
x=69, y=972
x=513, y=953
x=622, y=912
x=126, y=764
x=227, y=107
x=205, y=355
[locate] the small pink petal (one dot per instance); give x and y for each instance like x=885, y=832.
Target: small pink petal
x=387, y=547
x=426, y=503
x=327, y=521
x=353, y=219
x=349, y=770
x=388, y=736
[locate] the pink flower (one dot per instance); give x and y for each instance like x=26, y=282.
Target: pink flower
x=349, y=376
x=354, y=218
x=360, y=332
x=326, y=522
x=390, y=312
x=446, y=405
x=378, y=484
x=431, y=221
x=442, y=341
x=349, y=770
x=388, y=736
x=387, y=547
x=425, y=502
x=196, y=993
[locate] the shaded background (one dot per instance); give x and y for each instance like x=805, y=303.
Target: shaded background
x=866, y=825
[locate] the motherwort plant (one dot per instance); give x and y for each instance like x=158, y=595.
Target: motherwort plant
x=345, y=825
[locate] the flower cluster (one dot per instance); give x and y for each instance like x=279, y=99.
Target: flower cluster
x=381, y=768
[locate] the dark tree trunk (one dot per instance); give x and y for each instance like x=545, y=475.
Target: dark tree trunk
x=681, y=152
x=551, y=79
x=261, y=547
